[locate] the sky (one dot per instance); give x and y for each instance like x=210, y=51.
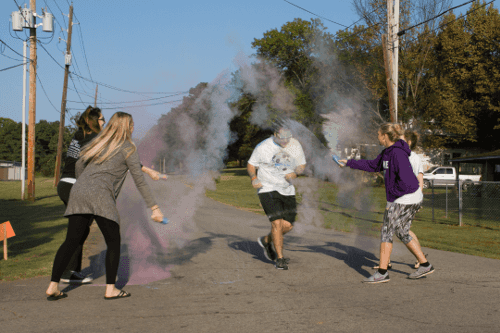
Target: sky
x=155, y=46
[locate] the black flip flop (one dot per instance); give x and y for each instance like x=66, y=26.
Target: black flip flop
x=122, y=294
x=59, y=296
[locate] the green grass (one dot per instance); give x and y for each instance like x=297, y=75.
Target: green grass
x=361, y=210
x=39, y=226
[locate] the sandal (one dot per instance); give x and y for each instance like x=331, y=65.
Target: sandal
x=55, y=297
x=122, y=294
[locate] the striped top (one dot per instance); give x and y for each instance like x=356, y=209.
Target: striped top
x=79, y=140
x=98, y=185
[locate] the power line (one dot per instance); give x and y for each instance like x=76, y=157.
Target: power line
x=83, y=46
x=124, y=90
x=62, y=13
x=76, y=90
x=458, y=18
x=1, y=70
x=402, y=32
x=142, y=101
x=108, y=85
x=135, y=106
x=314, y=14
x=19, y=54
x=41, y=84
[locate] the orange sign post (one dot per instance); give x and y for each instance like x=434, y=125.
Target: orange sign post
x=6, y=231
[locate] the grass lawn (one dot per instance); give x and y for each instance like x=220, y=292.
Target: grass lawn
x=364, y=215
x=39, y=226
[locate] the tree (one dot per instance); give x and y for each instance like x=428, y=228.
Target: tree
x=463, y=95
x=247, y=134
x=291, y=50
x=10, y=140
x=45, y=143
x=414, y=51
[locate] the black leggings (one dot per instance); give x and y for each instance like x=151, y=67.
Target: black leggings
x=77, y=226
x=75, y=264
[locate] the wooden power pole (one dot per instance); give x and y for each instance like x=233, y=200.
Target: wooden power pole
x=95, y=100
x=388, y=75
x=57, y=173
x=32, y=108
x=393, y=57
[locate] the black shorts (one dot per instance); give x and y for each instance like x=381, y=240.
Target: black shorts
x=277, y=206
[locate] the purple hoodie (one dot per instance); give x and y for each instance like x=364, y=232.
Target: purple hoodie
x=398, y=176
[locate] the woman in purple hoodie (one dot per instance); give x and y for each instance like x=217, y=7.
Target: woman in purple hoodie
x=403, y=199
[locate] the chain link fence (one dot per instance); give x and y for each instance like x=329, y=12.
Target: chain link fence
x=464, y=203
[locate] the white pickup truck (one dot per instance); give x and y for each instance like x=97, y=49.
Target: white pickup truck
x=441, y=176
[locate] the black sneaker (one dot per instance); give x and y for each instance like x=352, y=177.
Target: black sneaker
x=268, y=249
x=281, y=263
x=77, y=278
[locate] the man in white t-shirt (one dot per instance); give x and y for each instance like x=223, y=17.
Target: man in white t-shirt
x=273, y=164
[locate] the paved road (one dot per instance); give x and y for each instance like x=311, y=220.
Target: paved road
x=204, y=272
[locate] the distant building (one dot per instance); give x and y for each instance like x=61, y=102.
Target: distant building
x=11, y=170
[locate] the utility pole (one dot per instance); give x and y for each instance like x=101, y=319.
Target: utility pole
x=21, y=19
x=95, y=100
x=393, y=43
x=57, y=172
x=32, y=108
x=23, y=130
x=388, y=66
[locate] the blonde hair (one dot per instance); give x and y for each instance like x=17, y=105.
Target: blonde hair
x=394, y=131
x=110, y=139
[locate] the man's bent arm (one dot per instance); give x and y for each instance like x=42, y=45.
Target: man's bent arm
x=252, y=171
x=300, y=169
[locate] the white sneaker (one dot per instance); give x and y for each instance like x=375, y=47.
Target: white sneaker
x=421, y=272
x=77, y=278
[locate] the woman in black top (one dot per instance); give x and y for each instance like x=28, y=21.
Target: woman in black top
x=89, y=125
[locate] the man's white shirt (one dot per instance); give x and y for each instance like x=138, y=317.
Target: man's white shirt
x=274, y=162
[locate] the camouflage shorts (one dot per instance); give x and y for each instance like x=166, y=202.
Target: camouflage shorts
x=397, y=220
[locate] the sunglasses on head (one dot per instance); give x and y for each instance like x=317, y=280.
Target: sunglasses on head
x=284, y=135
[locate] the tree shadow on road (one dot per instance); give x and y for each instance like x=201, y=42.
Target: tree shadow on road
x=244, y=245
x=158, y=257
x=250, y=247
x=354, y=257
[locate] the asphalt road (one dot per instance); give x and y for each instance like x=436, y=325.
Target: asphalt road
x=205, y=272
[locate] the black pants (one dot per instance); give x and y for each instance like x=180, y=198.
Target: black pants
x=77, y=226
x=75, y=264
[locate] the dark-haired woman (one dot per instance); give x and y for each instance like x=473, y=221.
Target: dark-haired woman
x=89, y=125
x=101, y=169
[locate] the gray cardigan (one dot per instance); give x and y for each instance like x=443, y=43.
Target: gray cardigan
x=98, y=185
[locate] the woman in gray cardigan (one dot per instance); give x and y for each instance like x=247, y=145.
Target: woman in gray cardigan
x=100, y=173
